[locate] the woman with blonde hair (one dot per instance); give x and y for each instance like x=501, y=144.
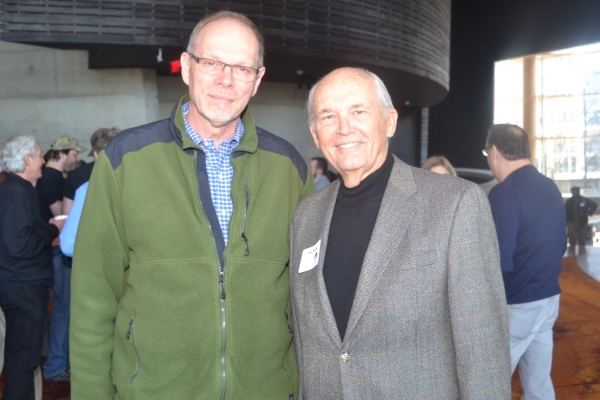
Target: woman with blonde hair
x=439, y=164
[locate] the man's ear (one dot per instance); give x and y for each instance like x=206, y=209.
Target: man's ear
x=184, y=60
x=28, y=159
x=494, y=153
x=392, y=120
x=261, y=73
x=313, y=133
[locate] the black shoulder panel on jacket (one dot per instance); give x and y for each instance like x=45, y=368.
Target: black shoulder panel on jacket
x=134, y=139
x=269, y=142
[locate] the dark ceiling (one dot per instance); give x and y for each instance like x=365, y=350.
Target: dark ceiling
x=406, y=42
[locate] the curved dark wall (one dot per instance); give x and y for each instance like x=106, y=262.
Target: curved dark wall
x=485, y=32
x=406, y=42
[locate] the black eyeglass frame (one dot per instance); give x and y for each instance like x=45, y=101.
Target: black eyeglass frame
x=198, y=59
x=485, y=151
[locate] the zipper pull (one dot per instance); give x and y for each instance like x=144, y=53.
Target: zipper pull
x=246, y=240
x=128, y=334
x=287, y=320
x=222, y=282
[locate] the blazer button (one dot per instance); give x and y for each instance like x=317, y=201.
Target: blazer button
x=344, y=357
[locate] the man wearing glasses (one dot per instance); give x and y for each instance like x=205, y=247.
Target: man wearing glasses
x=530, y=221
x=180, y=279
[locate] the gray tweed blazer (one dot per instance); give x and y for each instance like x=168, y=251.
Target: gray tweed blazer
x=429, y=318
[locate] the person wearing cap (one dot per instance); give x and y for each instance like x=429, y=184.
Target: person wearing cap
x=61, y=159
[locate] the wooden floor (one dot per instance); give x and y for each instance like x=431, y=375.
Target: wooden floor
x=576, y=358
x=576, y=365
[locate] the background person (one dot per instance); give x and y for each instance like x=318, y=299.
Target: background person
x=318, y=167
x=529, y=215
x=578, y=210
x=61, y=159
x=25, y=264
x=82, y=174
x=100, y=139
x=439, y=164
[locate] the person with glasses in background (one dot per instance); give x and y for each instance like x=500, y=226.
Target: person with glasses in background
x=530, y=221
x=180, y=272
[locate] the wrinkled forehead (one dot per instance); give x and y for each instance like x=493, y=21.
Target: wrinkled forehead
x=345, y=89
x=226, y=31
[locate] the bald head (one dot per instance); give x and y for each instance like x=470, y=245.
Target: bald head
x=233, y=16
x=351, y=120
x=351, y=74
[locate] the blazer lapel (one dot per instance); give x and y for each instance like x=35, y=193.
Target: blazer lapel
x=316, y=286
x=395, y=214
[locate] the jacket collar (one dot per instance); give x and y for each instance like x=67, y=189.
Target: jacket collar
x=395, y=215
x=248, y=141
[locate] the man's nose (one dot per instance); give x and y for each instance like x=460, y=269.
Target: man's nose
x=345, y=125
x=225, y=77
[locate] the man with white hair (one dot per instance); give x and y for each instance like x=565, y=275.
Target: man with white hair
x=395, y=281
x=25, y=264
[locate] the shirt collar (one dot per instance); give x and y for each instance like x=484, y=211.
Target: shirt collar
x=200, y=141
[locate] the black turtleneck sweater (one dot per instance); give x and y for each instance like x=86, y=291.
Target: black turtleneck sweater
x=352, y=223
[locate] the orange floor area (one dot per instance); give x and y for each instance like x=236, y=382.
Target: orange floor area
x=576, y=361
x=576, y=368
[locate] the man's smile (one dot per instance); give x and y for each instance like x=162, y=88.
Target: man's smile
x=348, y=145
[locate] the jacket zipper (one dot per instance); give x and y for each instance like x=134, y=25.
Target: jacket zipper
x=291, y=330
x=128, y=335
x=246, y=215
x=222, y=290
x=223, y=329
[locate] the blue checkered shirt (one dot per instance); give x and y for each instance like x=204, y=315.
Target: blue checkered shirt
x=218, y=168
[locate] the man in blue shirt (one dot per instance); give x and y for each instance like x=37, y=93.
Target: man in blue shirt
x=530, y=220
x=318, y=167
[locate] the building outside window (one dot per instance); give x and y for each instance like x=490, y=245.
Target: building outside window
x=567, y=113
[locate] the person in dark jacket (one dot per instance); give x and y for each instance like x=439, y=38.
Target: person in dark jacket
x=25, y=264
x=530, y=217
x=578, y=210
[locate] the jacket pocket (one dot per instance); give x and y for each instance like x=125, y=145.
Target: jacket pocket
x=415, y=259
x=130, y=336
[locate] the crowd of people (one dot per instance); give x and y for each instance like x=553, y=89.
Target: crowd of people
x=201, y=257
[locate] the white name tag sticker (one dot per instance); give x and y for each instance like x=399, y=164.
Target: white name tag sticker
x=310, y=258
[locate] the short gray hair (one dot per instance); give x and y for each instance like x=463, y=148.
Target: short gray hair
x=221, y=15
x=14, y=151
x=385, y=100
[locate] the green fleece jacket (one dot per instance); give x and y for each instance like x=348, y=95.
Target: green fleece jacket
x=161, y=309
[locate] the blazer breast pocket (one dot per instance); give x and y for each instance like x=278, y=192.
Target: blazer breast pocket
x=416, y=259
x=415, y=275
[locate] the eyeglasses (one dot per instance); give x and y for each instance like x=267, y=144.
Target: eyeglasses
x=486, y=151
x=214, y=67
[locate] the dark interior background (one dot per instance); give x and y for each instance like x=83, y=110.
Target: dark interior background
x=483, y=32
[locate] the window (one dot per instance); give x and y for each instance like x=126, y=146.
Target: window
x=567, y=107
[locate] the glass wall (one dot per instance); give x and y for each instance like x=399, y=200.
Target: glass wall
x=567, y=99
